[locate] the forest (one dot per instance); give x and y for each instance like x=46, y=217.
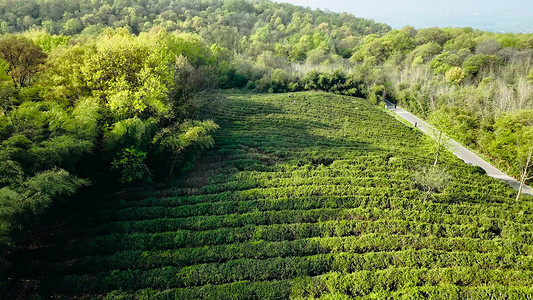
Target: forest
x=110, y=92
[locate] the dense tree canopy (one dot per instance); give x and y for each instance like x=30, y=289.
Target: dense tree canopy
x=23, y=58
x=106, y=109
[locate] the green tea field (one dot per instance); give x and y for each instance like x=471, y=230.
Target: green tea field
x=309, y=196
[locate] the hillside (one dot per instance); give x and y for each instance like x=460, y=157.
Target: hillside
x=302, y=196
x=473, y=85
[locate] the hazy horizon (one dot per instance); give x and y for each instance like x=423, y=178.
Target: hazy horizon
x=490, y=15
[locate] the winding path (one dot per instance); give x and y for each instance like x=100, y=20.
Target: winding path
x=466, y=155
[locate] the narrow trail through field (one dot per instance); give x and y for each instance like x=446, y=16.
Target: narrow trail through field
x=460, y=151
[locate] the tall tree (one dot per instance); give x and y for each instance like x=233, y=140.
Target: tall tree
x=23, y=56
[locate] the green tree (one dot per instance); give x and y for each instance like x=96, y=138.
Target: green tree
x=132, y=166
x=316, y=56
x=176, y=139
x=463, y=40
x=455, y=75
x=238, y=6
x=378, y=49
x=427, y=50
x=511, y=141
x=311, y=80
x=401, y=40
x=299, y=50
x=72, y=26
x=25, y=59
x=46, y=41
x=479, y=63
x=434, y=34
x=280, y=80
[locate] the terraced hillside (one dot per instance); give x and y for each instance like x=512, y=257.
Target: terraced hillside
x=309, y=196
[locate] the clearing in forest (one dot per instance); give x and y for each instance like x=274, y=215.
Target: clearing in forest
x=303, y=196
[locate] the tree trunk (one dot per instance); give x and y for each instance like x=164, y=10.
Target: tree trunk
x=523, y=174
x=171, y=170
x=438, y=149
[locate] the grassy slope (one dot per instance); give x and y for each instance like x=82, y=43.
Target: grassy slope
x=301, y=199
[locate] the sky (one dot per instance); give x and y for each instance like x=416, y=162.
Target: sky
x=490, y=15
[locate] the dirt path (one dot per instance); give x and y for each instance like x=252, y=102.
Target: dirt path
x=463, y=153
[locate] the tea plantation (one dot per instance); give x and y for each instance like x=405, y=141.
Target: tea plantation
x=309, y=196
